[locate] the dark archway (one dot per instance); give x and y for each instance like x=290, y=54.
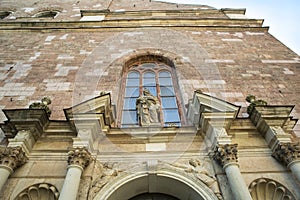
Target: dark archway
x=154, y=196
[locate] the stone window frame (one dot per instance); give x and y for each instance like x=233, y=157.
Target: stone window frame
x=159, y=60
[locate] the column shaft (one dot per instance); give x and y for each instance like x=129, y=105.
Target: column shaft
x=237, y=183
x=71, y=183
x=295, y=168
x=4, y=174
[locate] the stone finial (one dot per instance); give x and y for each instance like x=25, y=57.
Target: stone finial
x=79, y=156
x=287, y=153
x=226, y=153
x=253, y=102
x=12, y=157
x=45, y=101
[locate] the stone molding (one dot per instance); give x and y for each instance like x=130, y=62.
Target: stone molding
x=80, y=157
x=226, y=154
x=287, y=153
x=12, y=157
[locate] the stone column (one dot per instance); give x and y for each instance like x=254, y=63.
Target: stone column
x=226, y=155
x=289, y=155
x=78, y=160
x=10, y=159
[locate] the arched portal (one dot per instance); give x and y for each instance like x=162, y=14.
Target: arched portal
x=166, y=183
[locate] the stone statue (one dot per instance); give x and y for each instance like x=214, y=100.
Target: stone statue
x=147, y=108
x=253, y=102
x=42, y=105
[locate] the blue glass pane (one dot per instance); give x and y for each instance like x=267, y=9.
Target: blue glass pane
x=171, y=115
x=167, y=91
x=149, y=82
x=149, y=75
x=132, y=92
x=168, y=102
x=165, y=81
x=148, y=65
x=133, y=75
x=129, y=104
x=165, y=74
x=132, y=82
x=129, y=117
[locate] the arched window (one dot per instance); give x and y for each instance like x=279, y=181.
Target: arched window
x=46, y=14
x=160, y=80
x=4, y=14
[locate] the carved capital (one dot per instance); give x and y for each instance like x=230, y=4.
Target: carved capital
x=80, y=157
x=287, y=153
x=226, y=153
x=12, y=157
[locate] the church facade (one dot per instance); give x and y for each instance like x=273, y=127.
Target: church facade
x=131, y=100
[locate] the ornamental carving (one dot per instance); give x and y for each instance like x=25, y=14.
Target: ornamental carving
x=79, y=156
x=286, y=153
x=12, y=157
x=42, y=105
x=268, y=189
x=198, y=169
x=106, y=172
x=39, y=191
x=226, y=153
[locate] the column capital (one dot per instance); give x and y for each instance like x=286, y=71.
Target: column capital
x=226, y=154
x=12, y=157
x=287, y=153
x=79, y=156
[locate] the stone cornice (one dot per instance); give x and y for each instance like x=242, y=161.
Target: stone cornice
x=135, y=23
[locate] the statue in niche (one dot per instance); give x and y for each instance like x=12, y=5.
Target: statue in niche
x=147, y=109
x=196, y=168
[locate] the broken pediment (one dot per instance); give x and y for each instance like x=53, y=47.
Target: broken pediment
x=204, y=106
x=97, y=108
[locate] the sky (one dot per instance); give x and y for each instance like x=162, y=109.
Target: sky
x=282, y=16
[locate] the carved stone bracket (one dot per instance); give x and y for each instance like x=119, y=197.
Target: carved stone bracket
x=225, y=154
x=287, y=153
x=12, y=157
x=79, y=156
